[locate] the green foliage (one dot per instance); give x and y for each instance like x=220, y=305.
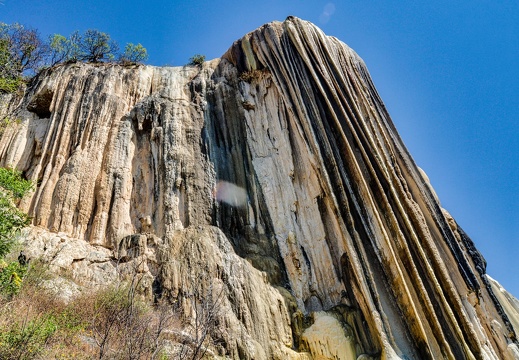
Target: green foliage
x=9, y=80
x=62, y=49
x=69, y=319
x=197, y=60
x=134, y=54
x=11, y=276
x=10, y=85
x=96, y=46
x=21, y=50
x=11, y=221
x=111, y=323
x=12, y=181
x=26, y=340
x=5, y=122
x=12, y=187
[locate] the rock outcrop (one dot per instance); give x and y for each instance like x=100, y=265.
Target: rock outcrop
x=272, y=181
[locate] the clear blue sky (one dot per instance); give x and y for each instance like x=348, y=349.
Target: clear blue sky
x=448, y=72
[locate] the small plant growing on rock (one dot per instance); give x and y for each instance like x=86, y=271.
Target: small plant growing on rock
x=197, y=60
x=6, y=121
x=253, y=75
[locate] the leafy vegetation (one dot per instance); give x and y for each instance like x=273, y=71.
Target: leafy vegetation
x=6, y=121
x=23, y=53
x=197, y=59
x=26, y=340
x=12, y=220
x=11, y=180
x=10, y=85
x=11, y=277
x=96, y=46
x=134, y=54
x=110, y=323
x=21, y=50
x=62, y=49
x=92, y=46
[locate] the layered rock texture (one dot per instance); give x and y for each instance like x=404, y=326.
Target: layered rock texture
x=272, y=181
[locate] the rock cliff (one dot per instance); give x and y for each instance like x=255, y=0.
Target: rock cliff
x=273, y=180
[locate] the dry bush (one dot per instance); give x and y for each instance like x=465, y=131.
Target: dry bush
x=35, y=324
x=125, y=327
x=253, y=75
x=198, y=331
x=111, y=323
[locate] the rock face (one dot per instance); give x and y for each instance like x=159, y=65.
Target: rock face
x=271, y=179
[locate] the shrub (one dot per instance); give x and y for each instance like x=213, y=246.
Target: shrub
x=12, y=187
x=10, y=85
x=134, y=54
x=123, y=324
x=11, y=276
x=26, y=340
x=112, y=323
x=253, y=75
x=12, y=220
x=10, y=79
x=197, y=60
x=11, y=180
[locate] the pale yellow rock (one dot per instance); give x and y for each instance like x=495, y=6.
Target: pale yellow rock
x=328, y=340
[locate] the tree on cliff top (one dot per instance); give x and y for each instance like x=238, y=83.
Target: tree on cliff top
x=92, y=46
x=134, y=54
x=96, y=46
x=22, y=52
x=22, y=49
x=62, y=49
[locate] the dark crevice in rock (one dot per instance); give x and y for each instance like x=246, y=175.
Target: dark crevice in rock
x=41, y=102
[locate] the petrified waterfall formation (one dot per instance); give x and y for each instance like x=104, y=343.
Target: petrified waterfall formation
x=339, y=248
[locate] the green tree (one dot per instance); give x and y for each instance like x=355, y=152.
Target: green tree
x=96, y=46
x=23, y=51
x=62, y=49
x=134, y=54
x=9, y=79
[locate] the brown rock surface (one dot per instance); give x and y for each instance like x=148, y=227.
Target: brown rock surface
x=272, y=178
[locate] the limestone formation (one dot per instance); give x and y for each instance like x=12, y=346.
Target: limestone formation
x=271, y=182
